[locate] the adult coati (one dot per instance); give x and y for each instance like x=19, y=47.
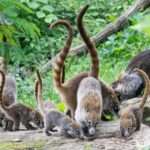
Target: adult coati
x=9, y=93
x=68, y=89
x=130, y=84
x=89, y=94
x=19, y=113
x=131, y=116
x=54, y=118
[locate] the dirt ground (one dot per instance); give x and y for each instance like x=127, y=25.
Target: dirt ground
x=106, y=140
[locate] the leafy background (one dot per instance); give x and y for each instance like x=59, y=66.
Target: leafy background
x=27, y=43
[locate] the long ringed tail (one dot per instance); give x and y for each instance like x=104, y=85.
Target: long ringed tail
x=38, y=92
x=147, y=86
x=60, y=58
x=3, y=80
x=90, y=45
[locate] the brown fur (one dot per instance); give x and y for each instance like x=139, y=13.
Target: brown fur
x=131, y=117
x=89, y=96
x=44, y=105
x=19, y=113
x=68, y=90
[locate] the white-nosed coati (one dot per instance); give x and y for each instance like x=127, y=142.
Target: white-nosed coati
x=19, y=113
x=131, y=116
x=130, y=84
x=89, y=94
x=68, y=90
x=54, y=118
x=9, y=93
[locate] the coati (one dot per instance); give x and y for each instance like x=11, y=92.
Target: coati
x=130, y=84
x=9, y=93
x=54, y=118
x=131, y=116
x=68, y=89
x=19, y=113
x=89, y=94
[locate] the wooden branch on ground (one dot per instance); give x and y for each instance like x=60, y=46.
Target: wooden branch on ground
x=110, y=29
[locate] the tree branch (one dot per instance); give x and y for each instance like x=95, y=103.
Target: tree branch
x=110, y=29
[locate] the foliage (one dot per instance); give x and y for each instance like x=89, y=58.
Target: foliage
x=28, y=43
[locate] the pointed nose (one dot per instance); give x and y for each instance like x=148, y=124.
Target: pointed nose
x=92, y=131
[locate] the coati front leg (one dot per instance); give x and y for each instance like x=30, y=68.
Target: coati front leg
x=28, y=125
x=8, y=124
x=16, y=124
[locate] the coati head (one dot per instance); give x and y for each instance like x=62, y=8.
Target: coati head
x=92, y=114
x=111, y=102
x=128, y=86
x=37, y=119
x=72, y=129
x=127, y=122
x=90, y=123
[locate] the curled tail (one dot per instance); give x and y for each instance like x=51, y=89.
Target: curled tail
x=147, y=86
x=3, y=80
x=59, y=62
x=89, y=43
x=38, y=92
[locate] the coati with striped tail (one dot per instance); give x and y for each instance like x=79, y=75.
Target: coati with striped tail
x=89, y=94
x=68, y=89
x=131, y=116
x=129, y=83
x=52, y=117
x=19, y=113
x=9, y=93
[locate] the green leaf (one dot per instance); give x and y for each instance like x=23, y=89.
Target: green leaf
x=40, y=14
x=50, y=18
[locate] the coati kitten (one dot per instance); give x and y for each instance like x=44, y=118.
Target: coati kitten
x=89, y=94
x=131, y=116
x=19, y=113
x=130, y=84
x=9, y=93
x=68, y=89
x=54, y=118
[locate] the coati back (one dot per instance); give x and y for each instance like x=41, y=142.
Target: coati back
x=54, y=118
x=130, y=84
x=89, y=96
x=131, y=117
x=19, y=113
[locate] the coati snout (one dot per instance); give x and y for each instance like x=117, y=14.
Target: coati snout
x=37, y=119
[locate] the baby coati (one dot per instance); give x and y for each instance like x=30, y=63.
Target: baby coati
x=89, y=97
x=54, y=118
x=130, y=84
x=131, y=116
x=68, y=90
x=19, y=113
x=9, y=93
